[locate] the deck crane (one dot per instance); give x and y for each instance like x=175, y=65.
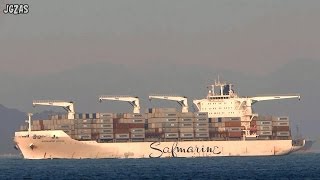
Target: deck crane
x=181, y=100
x=67, y=105
x=133, y=101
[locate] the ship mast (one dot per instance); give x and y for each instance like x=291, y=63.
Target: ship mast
x=29, y=123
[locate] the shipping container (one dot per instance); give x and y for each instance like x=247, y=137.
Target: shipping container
x=83, y=121
x=81, y=126
x=201, y=125
x=235, y=134
x=132, y=120
x=202, y=135
x=154, y=125
x=185, y=125
x=264, y=128
x=169, y=124
x=170, y=130
x=83, y=131
x=186, y=115
x=105, y=136
x=201, y=120
x=200, y=130
x=263, y=123
x=264, y=133
x=171, y=135
x=134, y=115
x=106, y=131
x=137, y=136
x=102, y=126
x=61, y=126
x=229, y=129
x=83, y=137
x=283, y=133
x=232, y=123
x=183, y=130
x=283, y=118
x=186, y=135
x=122, y=136
x=280, y=123
x=106, y=115
x=201, y=114
x=137, y=130
x=281, y=128
x=102, y=121
x=161, y=110
x=186, y=119
x=165, y=115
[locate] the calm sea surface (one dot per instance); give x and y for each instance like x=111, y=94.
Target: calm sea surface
x=294, y=166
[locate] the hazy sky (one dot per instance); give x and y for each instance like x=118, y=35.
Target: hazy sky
x=242, y=35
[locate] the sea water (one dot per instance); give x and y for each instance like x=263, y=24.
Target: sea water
x=293, y=166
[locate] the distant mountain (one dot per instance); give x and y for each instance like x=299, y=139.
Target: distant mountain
x=10, y=119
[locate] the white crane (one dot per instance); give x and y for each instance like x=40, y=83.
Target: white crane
x=68, y=106
x=133, y=101
x=248, y=101
x=181, y=100
x=266, y=98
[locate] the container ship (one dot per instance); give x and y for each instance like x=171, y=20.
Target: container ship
x=223, y=125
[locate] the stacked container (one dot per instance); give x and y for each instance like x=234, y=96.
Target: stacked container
x=264, y=126
x=281, y=128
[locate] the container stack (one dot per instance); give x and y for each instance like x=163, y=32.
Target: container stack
x=264, y=127
x=201, y=125
x=102, y=126
x=281, y=128
x=186, y=125
x=162, y=123
x=129, y=126
x=224, y=127
x=233, y=128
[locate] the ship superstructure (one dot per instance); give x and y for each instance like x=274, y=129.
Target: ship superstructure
x=224, y=125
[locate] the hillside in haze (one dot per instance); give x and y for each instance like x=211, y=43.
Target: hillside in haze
x=84, y=84
x=10, y=119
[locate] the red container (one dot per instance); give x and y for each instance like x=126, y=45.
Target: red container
x=235, y=134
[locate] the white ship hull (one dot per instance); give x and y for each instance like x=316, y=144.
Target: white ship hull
x=62, y=146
